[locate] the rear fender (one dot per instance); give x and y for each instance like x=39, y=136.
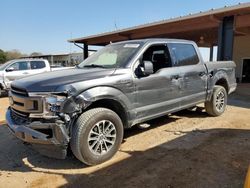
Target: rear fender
x=214, y=79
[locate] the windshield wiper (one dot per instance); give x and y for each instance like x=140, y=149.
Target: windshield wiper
x=94, y=66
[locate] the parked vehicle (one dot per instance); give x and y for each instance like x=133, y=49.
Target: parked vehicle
x=19, y=68
x=122, y=85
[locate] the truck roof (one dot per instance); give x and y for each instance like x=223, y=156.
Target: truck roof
x=149, y=40
x=29, y=59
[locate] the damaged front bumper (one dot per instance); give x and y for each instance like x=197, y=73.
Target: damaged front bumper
x=50, y=139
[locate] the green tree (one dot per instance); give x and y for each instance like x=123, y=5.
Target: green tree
x=36, y=54
x=3, y=57
x=13, y=54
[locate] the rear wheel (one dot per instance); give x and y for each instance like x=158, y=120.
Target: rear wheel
x=96, y=136
x=217, y=104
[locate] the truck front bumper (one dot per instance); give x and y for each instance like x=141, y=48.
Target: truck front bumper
x=50, y=139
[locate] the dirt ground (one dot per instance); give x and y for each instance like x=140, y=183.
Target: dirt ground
x=185, y=149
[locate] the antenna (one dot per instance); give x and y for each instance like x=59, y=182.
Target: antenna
x=116, y=28
x=70, y=47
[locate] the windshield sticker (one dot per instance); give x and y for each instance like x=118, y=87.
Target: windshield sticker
x=131, y=45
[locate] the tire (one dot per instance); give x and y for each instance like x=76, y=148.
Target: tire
x=2, y=92
x=217, y=104
x=96, y=136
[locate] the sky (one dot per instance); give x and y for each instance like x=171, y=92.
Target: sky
x=46, y=25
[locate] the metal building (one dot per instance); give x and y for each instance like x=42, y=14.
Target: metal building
x=228, y=28
x=66, y=59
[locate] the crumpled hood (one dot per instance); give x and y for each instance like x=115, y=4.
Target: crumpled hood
x=49, y=81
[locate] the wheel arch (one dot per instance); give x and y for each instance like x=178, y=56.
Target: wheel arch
x=113, y=105
x=110, y=98
x=221, y=79
x=222, y=82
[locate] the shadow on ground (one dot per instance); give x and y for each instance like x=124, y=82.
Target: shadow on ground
x=239, y=101
x=205, y=158
x=241, y=97
x=219, y=160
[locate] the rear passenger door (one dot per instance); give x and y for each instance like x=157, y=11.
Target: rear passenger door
x=37, y=67
x=192, y=75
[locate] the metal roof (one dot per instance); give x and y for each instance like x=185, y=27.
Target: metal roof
x=216, y=14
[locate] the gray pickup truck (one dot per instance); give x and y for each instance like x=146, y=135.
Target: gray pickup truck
x=86, y=109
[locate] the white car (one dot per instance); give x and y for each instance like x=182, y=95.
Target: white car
x=19, y=68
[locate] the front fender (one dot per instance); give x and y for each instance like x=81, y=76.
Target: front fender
x=86, y=98
x=105, y=92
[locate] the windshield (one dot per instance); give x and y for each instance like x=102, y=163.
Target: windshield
x=112, y=56
x=3, y=66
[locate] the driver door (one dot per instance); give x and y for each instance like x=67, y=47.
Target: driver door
x=157, y=93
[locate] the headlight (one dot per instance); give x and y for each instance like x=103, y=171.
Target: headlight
x=54, y=102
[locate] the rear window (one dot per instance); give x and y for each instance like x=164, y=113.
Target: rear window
x=183, y=54
x=37, y=64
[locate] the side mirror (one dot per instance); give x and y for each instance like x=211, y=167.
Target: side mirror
x=148, y=68
x=9, y=69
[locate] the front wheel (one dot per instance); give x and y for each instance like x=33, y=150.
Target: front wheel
x=96, y=136
x=217, y=104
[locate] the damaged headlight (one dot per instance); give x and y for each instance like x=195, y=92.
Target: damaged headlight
x=53, y=103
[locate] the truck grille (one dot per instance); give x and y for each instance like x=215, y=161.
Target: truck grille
x=23, y=104
x=20, y=114
x=19, y=117
x=19, y=91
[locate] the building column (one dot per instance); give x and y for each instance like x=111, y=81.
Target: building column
x=226, y=39
x=85, y=51
x=52, y=60
x=211, y=57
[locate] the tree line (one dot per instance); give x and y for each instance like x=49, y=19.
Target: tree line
x=14, y=54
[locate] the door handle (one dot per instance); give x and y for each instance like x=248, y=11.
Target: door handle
x=175, y=77
x=25, y=73
x=202, y=74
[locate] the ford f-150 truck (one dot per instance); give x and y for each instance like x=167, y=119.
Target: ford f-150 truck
x=20, y=68
x=86, y=109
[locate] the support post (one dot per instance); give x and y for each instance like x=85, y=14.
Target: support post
x=226, y=39
x=52, y=60
x=211, y=57
x=85, y=51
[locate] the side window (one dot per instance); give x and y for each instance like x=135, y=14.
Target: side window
x=22, y=65
x=37, y=64
x=183, y=54
x=14, y=66
x=158, y=55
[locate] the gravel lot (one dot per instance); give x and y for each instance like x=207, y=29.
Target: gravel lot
x=185, y=149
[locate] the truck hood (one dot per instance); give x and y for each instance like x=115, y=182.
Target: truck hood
x=49, y=81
